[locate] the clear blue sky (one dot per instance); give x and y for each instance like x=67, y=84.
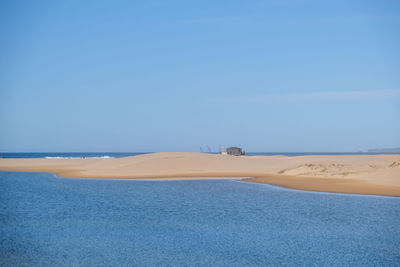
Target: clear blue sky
x=171, y=75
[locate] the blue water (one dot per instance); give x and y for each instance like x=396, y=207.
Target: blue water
x=127, y=154
x=51, y=221
x=69, y=154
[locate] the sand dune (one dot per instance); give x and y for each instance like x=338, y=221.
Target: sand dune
x=365, y=174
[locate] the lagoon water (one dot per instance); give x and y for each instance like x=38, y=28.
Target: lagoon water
x=51, y=221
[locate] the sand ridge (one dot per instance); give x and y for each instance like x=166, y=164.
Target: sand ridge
x=363, y=174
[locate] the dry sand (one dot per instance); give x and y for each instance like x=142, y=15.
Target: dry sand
x=359, y=174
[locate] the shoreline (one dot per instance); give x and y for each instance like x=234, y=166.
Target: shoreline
x=328, y=185
x=360, y=174
x=309, y=184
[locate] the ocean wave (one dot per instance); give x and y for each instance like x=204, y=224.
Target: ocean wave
x=102, y=157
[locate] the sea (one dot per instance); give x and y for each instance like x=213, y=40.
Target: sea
x=46, y=220
x=128, y=154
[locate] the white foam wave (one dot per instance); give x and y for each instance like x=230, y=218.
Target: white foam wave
x=102, y=157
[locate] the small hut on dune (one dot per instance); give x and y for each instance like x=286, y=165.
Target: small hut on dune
x=234, y=151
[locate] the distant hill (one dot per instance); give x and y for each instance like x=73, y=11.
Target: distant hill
x=384, y=150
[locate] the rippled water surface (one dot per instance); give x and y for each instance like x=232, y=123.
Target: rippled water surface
x=51, y=221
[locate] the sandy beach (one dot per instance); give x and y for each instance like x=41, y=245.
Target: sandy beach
x=358, y=174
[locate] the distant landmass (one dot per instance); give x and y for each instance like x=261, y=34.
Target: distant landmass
x=385, y=150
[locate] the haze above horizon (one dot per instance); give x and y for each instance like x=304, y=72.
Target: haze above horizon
x=176, y=75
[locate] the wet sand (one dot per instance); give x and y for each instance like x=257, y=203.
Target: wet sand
x=358, y=174
x=333, y=185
